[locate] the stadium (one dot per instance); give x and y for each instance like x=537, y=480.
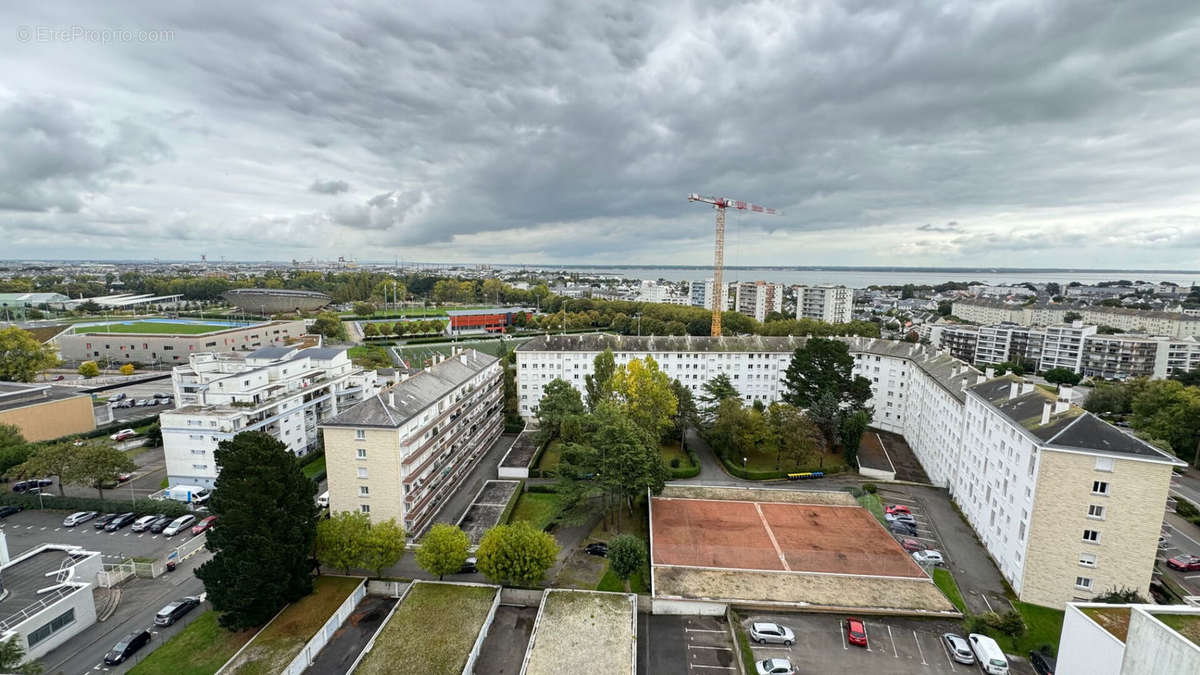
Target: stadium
x=275, y=300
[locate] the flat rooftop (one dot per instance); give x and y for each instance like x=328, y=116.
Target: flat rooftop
x=25, y=578
x=583, y=632
x=1114, y=619
x=20, y=394
x=432, y=631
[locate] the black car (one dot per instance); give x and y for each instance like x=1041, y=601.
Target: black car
x=1042, y=663
x=172, y=612
x=157, y=526
x=468, y=567
x=6, y=511
x=900, y=527
x=120, y=521
x=27, y=485
x=104, y=520
x=599, y=548
x=126, y=648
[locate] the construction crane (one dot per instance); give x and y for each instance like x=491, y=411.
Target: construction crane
x=720, y=204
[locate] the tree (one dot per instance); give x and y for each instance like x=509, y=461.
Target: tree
x=1009, y=623
x=363, y=309
x=645, y=393
x=598, y=383
x=1167, y=410
x=717, y=390
x=686, y=414
x=340, y=540
x=95, y=465
x=371, y=330
x=1062, y=376
x=383, y=547
x=796, y=438
x=443, y=550
x=89, y=369
x=516, y=554
x=1110, y=397
x=491, y=289
x=11, y=655
x=153, y=435
x=1190, y=378
x=14, y=449
x=626, y=555
x=559, y=401
x=22, y=356
x=127, y=369
x=630, y=463
x=822, y=366
x=329, y=325
x=267, y=510
x=1072, y=316
x=850, y=431
x=52, y=459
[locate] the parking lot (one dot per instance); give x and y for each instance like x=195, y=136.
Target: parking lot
x=28, y=529
x=684, y=645
x=894, y=645
x=926, y=535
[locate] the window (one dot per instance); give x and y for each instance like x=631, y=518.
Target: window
x=362, y=472
x=365, y=508
x=56, y=624
x=1091, y=536
x=1099, y=487
x=362, y=453
x=200, y=467
x=1096, y=511
x=363, y=491
x=360, y=434
x=1087, y=560
x=1083, y=583
x=1104, y=464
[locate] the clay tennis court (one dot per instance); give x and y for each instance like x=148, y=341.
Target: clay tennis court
x=775, y=537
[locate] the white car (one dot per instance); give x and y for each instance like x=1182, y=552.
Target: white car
x=762, y=632
x=123, y=434
x=323, y=500
x=78, y=517
x=179, y=525
x=928, y=557
x=774, y=667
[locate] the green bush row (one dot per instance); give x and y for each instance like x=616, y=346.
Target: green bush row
x=1187, y=510
x=141, y=507
x=752, y=474
x=512, y=502
x=687, y=471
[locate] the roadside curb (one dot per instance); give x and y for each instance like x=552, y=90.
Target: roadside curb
x=110, y=605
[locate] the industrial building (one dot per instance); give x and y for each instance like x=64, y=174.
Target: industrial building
x=832, y=304
x=42, y=412
x=100, y=343
x=402, y=452
x=268, y=301
x=488, y=320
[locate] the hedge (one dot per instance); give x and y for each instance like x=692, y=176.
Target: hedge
x=512, y=502
x=544, y=489
x=750, y=474
x=1187, y=510
x=687, y=471
x=141, y=507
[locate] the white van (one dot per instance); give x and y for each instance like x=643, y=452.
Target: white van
x=988, y=653
x=323, y=500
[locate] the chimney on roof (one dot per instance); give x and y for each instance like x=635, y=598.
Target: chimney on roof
x=1061, y=406
x=980, y=378
x=1064, y=392
x=1014, y=388
x=392, y=397
x=1047, y=408
x=989, y=372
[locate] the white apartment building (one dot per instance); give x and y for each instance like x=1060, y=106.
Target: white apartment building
x=1101, y=639
x=960, y=340
x=1009, y=343
x=758, y=298
x=1170, y=324
x=1063, y=346
x=1001, y=291
x=282, y=391
x=833, y=304
x=702, y=295
x=401, y=453
x=651, y=291
x=1031, y=473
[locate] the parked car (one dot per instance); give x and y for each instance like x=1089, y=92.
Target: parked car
x=901, y=518
x=103, y=521
x=173, y=612
x=123, y=434
x=6, y=511
x=903, y=528
x=203, y=525
x=162, y=395
x=157, y=526
x=33, y=484
x=774, y=667
x=897, y=508
x=958, y=648
x=763, y=632
x=323, y=500
x=928, y=557
x=1162, y=542
x=468, y=566
x=126, y=648
x=1043, y=664
x=599, y=548
x=144, y=523
x=124, y=477
x=1184, y=563
x=991, y=658
x=59, y=378
x=911, y=545
x=118, y=397
x=120, y=521
x=178, y=525
x=856, y=632
x=78, y=517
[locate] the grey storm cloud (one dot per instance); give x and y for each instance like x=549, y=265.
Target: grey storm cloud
x=545, y=131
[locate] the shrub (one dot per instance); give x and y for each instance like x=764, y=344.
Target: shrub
x=975, y=623
x=1185, y=508
x=870, y=488
x=674, y=462
x=855, y=492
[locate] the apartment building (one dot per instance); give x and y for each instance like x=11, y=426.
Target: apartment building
x=758, y=298
x=1169, y=324
x=833, y=304
x=1009, y=343
x=664, y=294
x=961, y=341
x=1063, y=346
x=401, y=453
x=702, y=295
x=283, y=391
x=984, y=311
x=1029, y=471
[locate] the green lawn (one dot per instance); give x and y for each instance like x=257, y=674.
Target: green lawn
x=370, y=356
x=153, y=327
x=945, y=581
x=871, y=503
x=199, y=649
x=550, y=456
x=277, y=644
x=670, y=450
x=1043, y=626
x=637, y=582
x=432, y=631
x=314, y=468
x=536, y=508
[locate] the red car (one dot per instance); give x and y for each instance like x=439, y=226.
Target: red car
x=203, y=525
x=856, y=632
x=911, y=545
x=1185, y=563
x=898, y=508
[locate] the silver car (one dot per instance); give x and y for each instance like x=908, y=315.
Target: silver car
x=179, y=525
x=763, y=632
x=774, y=667
x=959, y=648
x=78, y=517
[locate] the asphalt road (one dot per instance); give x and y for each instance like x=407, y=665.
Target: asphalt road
x=1187, y=486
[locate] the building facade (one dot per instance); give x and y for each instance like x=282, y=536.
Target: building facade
x=401, y=453
x=702, y=295
x=1151, y=322
x=42, y=412
x=47, y=595
x=1063, y=346
x=961, y=341
x=497, y=320
x=283, y=391
x=96, y=345
x=1093, y=642
x=1029, y=472
x=832, y=304
x=758, y=298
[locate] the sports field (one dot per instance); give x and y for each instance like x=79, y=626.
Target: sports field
x=151, y=328
x=775, y=537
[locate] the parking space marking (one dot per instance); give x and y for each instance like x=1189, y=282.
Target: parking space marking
x=947, y=652
x=722, y=649
x=893, y=639
x=985, y=601
x=702, y=630
x=842, y=632
x=697, y=665
x=919, y=650
x=1187, y=537
x=1192, y=576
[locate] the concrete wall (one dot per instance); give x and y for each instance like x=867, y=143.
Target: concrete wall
x=85, y=615
x=1087, y=649
x=1153, y=647
x=307, y=655
x=45, y=420
x=1128, y=532
x=688, y=607
x=170, y=348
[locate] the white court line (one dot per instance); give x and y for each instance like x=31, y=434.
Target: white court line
x=947, y=652
x=919, y=650
x=771, y=535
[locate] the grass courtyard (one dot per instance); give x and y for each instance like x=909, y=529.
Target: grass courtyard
x=153, y=327
x=539, y=509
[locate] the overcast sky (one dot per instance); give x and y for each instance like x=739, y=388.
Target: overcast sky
x=890, y=132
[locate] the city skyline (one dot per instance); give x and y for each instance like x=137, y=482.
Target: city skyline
x=965, y=135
